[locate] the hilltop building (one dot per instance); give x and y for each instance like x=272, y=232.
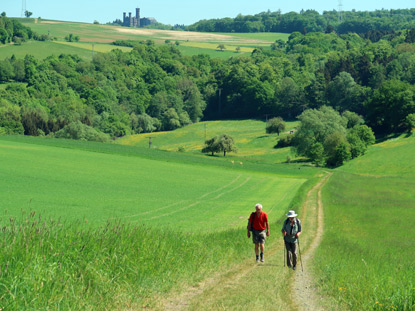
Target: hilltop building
x=136, y=21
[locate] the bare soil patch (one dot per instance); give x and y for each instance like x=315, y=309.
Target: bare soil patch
x=185, y=35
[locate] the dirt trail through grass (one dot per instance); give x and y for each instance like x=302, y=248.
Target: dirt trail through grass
x=266, y=286
x=304, y=294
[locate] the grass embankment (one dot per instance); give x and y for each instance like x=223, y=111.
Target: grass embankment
x=366, y=258
x=74, y=264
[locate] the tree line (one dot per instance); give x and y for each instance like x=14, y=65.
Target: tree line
x=312, y=21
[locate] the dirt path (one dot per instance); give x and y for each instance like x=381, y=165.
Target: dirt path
x=303, y=288
x=238, y=288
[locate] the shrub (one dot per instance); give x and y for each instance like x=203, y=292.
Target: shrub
x=285, y=141
x=77, y=130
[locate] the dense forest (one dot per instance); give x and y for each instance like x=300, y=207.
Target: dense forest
x=312, y=21
x=154, y=88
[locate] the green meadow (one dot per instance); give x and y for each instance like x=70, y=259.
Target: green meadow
x=122, y=225
x=94, y=186
x=249, y=135
x=366, y=258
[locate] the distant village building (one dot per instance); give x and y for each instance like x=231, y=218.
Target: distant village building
x=136, y=21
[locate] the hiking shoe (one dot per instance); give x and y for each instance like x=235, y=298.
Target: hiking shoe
x=257, y=260
x=294, y=267
x=262, y=260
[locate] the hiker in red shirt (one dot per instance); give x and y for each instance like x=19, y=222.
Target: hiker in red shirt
x=257, y=223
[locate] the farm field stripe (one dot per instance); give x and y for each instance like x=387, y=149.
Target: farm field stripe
x=151, y=211
x=231, y=190
x=221, y=188
x=176, y=211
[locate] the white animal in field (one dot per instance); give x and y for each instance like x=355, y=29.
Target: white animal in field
x=240, y=163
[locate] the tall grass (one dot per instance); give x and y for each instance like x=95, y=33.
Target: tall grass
x=50, y=264
x=366, y=258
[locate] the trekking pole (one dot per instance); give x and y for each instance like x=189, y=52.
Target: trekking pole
x=299, y=250
x=284, y=252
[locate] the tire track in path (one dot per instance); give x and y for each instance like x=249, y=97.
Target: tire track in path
x=303, y=290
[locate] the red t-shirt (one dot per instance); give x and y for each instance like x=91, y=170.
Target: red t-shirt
x=259, y=221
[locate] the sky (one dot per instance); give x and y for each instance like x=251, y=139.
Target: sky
x=182, y=11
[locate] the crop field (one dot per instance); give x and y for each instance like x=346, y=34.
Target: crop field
x=249, y=135
x=190, y=43
x=366, y=258
x=73, y=184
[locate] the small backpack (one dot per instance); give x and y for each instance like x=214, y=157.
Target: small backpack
x=253, y=217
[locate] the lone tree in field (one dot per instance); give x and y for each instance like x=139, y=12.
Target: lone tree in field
x=275, y=125
x=223, y=143
x=221, y=47
x=27, y=13
x=227, y=144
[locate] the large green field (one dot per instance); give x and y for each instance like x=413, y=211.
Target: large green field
x=101, y=36
x=71, y=183
x=121, y=225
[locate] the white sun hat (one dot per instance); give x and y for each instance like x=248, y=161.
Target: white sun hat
x=291, y=214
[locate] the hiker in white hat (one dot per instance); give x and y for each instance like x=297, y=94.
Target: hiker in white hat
x=291, y=230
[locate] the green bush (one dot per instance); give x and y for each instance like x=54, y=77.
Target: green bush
x=77, y=130
x=284, y=141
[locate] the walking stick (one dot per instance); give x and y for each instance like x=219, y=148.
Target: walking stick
x=284, y=252
x=299, y=250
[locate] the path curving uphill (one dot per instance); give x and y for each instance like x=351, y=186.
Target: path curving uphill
x=248, y=285
x=303, y=291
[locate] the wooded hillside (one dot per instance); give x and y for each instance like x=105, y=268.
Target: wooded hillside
x=155, y=88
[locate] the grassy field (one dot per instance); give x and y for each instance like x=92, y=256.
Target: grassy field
x=120, y=225
x=77, y=184
x=366, y=258
x=190, y=43
x=250, y=138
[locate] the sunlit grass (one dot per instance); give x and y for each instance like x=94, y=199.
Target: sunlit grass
x=366, y=258
x=249, y=136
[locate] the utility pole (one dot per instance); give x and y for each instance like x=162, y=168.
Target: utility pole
x=266, y=117
x=149, y=141
x=93, y=50
x=220, y=104
x=205, y=131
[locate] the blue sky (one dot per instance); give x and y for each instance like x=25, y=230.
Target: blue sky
x=181, y=11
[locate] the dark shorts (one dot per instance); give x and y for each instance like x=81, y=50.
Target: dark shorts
x=258, y=236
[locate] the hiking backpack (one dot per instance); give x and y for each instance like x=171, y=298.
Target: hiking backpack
x=253, y=217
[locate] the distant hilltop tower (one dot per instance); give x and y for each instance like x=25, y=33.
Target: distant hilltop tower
x=136, y=21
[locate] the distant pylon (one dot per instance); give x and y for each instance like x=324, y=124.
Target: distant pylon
x=340, y=11
x=23, y=8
